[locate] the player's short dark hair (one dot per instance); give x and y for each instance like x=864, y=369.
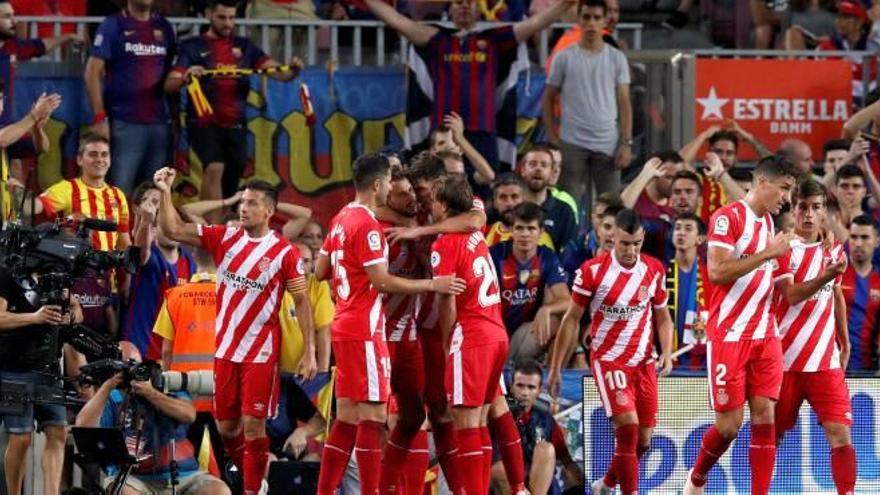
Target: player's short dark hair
x=740, y=174
x=91, y=139
x=528, y=212
x=137, y=196
x=455, y=193
x=866, y=221
x=724, y=135
x=609, y=199
x=628, y=221
x=612, y=210
x=692, y=217
x=669, y=156
x=836, y=145
x=776, y=167
x=809, y=188
x=528, y=367
x=688, y=175
x=425, y=166
x=582, y=4
x=269, y=191
x=213, y=4
x=397, y=173
x=508, y=179
x=369, y=167
x=849, y=171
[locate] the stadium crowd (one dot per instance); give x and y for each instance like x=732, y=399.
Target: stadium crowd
x=237, y=281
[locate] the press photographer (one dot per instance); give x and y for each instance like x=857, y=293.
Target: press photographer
x=543, y=441
x=30, y=375
x=155, y=425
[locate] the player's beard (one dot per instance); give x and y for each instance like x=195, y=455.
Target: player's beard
x=7, y=34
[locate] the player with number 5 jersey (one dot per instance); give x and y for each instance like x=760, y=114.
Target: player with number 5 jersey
x=355, y=259
x=625, y=292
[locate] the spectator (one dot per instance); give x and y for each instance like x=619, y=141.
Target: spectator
x=525, y=270
x=557, y=193
x=98, y=304
x=596, y=140
x=298, y=421
x=507, y=194
x=766, y=16
x=799, y=153
x=163, y=264
x=852, y=27
x=131, y=55
x=809, y=23
x=559, y=220
x=684, y=196
x=90, y=196
x=850, y=192
x=836, y=153
x=274, y=10
x=451, y=137
x=220, y=139
x=163, y=420
x=598, y=239
x=441, y=53
x=686, y=284
x=543, y=440
x=313, y=235
x=861, y=284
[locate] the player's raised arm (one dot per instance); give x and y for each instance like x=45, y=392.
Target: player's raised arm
x=172, y=225
x=416, y=32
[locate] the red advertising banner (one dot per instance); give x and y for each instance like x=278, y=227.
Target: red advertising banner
x=775, y=99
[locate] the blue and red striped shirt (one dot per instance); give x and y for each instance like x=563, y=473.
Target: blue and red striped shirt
x=522, y=284
x=137, y=55
x=862, y=296
x=13, y=51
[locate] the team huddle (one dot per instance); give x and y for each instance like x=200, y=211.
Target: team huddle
x=776, y=332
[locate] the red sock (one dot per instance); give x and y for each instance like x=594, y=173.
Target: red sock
x=486, y=439
x=334, y=459
x=368, y=452
x=235, y=450
x=396, y=451
x=713, y=447
x=625, y=461
x=843, y=469
x=446, y=444
x=416, y=465
x=762, y=457
x=510, y=444
x=470, y=460
x=256, y=456
x=611, y=476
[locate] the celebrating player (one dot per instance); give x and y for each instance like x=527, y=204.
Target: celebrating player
x=355, y=257
x=254, y=266
x=811, y=312
x=626, y=293
x=744, y=352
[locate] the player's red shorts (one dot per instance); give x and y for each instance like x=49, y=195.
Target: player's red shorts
x=434, y=363
x=245, y=389
x=363, y=370
x=624, y=389
x=743, y=369
x=407, y=367
x=472, y=375
x=826, y=391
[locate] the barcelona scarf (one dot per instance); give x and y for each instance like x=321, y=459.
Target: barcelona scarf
x=673, y=288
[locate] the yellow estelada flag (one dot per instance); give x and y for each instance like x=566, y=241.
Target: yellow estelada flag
x=207, y=462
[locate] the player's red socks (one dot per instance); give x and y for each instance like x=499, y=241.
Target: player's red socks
x=396, y=452
x=256, y=456
x=235, y=450
x=611, y=476
x=843, y=469
x=334, y=459
x=446, y=444
x=626, y=463
x=416, y=465
x=470, y=460
x=510, y=443
x=762, y=457
x=368, y=452
x=713, y=447
x=486, y=439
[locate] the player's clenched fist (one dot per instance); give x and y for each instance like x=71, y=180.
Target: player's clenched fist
x=164, y=178
x=781, y=244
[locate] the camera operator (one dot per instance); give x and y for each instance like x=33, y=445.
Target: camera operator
x=543, y=441
x=154, y=425
x=30, y=353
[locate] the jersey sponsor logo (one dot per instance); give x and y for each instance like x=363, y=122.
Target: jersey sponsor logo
x=465, y=58
x=435, y=259
x=521, y=296
x=143, y=49
x=239, y=282
x=722, y=224
x=374, y=240
x=621, y=313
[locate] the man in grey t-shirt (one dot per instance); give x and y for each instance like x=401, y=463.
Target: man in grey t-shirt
x=595, y=132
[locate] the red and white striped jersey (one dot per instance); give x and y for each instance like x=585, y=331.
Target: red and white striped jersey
x=252, y=275
x=621, y=301
x=401, y=310
x=354, y=242
x=808, y=329
x=742, y=309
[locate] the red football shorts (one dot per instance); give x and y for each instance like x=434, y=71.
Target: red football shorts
x=363, y=370
x=245, y=389
x=826, y=391
x=407, y=367
x=434, y=363
x=624, y=389
x=743, y=369
x=472, y=375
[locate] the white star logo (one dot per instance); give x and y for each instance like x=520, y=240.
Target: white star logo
x=712, y=105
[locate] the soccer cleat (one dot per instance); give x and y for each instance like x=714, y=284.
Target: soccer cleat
x=689, y=487
x=598, y=487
